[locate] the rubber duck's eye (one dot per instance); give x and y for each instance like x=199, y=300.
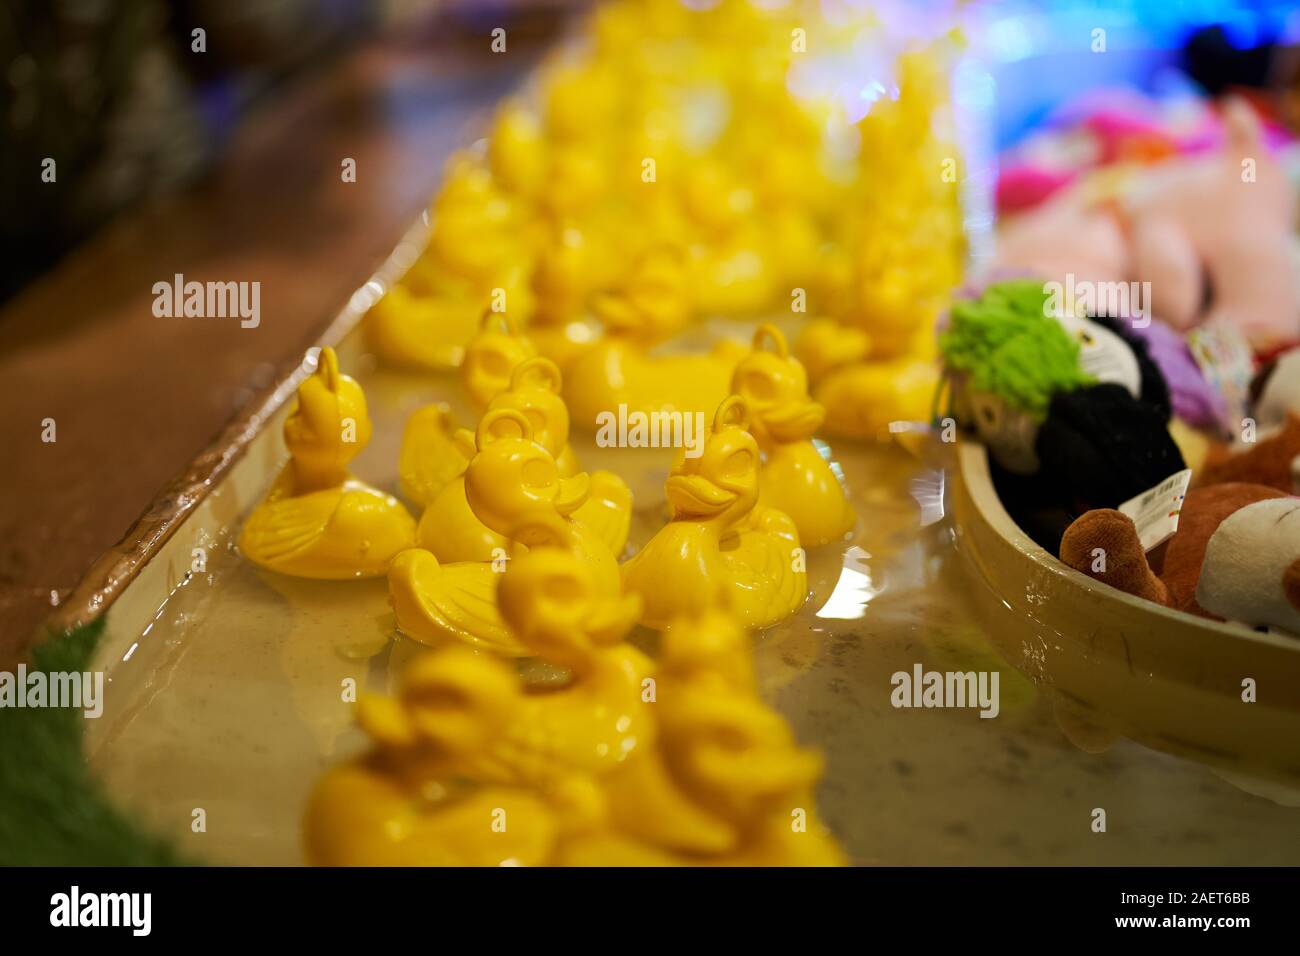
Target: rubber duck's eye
x=539, y=473
x=1086, y=337
x=738, y=463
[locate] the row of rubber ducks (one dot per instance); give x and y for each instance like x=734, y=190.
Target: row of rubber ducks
x=741, y=510
x=681, y=120
x=743, y=207
x=633, y=762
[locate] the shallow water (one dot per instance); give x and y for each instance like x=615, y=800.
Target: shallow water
x=234, y=705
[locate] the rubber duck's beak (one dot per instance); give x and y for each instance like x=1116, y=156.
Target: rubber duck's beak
x=793, y=421
x=697, y=497
x=573, y=493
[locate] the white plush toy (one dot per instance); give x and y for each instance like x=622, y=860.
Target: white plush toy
x=1251, y=571
x=1279, y=391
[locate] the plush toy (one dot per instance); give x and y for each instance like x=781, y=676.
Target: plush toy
x=1153, y=385
x=1251, y=571
x=1209, y=236
x=1219, y=228
x=1073, y=413
x=1193, y=399
x=1101, y=447
x=1006, y=358
x=1275, y=392
x=1105, y=355
x=1085, y=136
x=1104, y=545
x=1273, y=461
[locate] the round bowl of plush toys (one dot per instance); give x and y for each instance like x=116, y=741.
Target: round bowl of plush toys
x=1127, y=497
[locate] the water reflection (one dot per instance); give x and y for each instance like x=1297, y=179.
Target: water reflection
x=854, y=589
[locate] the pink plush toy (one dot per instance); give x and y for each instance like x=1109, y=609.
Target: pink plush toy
x=1026, y=185
x=1212, y=234
x=1068, y=234
x=1223, y=220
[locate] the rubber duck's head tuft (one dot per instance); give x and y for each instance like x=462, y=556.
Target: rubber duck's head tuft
x=330, y=424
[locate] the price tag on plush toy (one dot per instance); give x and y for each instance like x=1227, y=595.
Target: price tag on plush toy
x=1227, y=362
x=1155, y=512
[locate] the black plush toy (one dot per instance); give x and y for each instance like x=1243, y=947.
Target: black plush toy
x=1074, y=411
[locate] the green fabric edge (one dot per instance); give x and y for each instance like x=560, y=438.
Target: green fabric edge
x=53, y=812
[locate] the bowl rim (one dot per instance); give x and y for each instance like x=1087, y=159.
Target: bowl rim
x=973, y=465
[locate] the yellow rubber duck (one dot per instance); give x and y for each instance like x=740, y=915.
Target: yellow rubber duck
x=615, y=768
x=862, y=396
x=514, y=479
x=733, y=755
x=449, y=528
x=479, y=255
x=796, y=477
x=535, y=387
x=492, y=357
x=561, y=611
x=620, y=370
x=403, y=803
x=478, y=230
x=318, y=521
x=440, y=603
x=430, y=456
x=464, y=746
x=424, y=332
x=517, y=150
x=863, y=400
x=726, y=784
x=539, y=736
x=717, y=537
x=511, y=479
